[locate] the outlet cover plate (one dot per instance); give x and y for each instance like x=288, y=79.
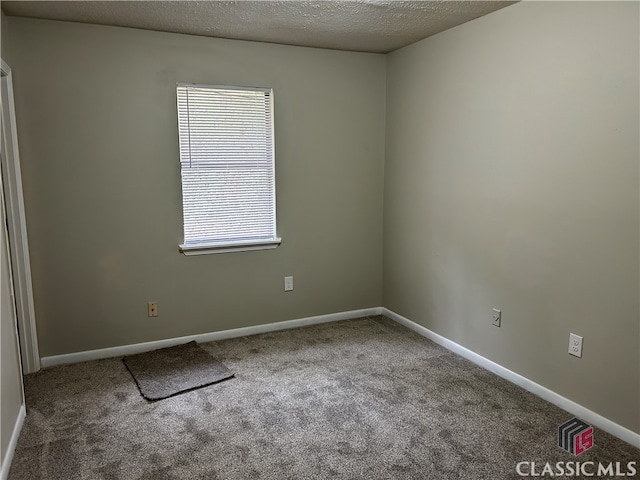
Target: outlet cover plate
x=288, y=284
x=575, y=345
x=152, y=309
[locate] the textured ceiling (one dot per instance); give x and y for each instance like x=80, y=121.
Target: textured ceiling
x=359, y=25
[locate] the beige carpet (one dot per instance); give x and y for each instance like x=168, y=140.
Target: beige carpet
x=358, y=399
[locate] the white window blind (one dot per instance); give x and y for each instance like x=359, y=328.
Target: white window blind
x=227, y=167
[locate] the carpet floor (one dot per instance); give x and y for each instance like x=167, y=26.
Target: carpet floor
x=358, y=399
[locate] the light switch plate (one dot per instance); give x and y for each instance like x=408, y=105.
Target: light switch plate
x=497, y=317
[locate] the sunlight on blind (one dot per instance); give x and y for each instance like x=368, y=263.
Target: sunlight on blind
x=227, y=164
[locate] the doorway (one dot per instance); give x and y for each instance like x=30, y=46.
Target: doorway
x=13, y=204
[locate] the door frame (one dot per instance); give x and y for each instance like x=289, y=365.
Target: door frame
x=17, y=228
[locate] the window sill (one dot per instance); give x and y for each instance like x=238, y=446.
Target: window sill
x=209, y=248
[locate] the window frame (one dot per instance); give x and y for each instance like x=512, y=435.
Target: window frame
x=240, y=245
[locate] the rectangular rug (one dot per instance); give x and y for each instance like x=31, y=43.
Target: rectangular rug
x=169, y=371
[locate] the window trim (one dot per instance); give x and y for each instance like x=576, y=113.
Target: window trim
x=228, y=247
x=241, y=245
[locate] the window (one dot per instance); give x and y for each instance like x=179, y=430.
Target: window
x=227, y=168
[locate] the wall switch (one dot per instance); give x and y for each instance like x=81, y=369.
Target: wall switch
x=575, y=345
x=288, y=284
x=497, y=317
x=152, y=309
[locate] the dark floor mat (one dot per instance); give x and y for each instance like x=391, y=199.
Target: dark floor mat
x=169, y=371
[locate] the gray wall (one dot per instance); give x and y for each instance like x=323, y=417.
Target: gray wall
x=98, y=138
x=511, y=181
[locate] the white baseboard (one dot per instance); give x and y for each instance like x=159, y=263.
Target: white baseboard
x=542, y=392
x=11, y=448
x=204, y=337
x=570, y=406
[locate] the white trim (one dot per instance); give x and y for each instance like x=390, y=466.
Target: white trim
x=569, y=405
x=20, y=261
x=11, y=448
x=204, y=337
x=225, y=87
x=204, y=249
x=538, y=390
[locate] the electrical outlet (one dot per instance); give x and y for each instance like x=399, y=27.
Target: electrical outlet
x=575, y=345
x=152, y=309
x=288, y=284
x=497, y=317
